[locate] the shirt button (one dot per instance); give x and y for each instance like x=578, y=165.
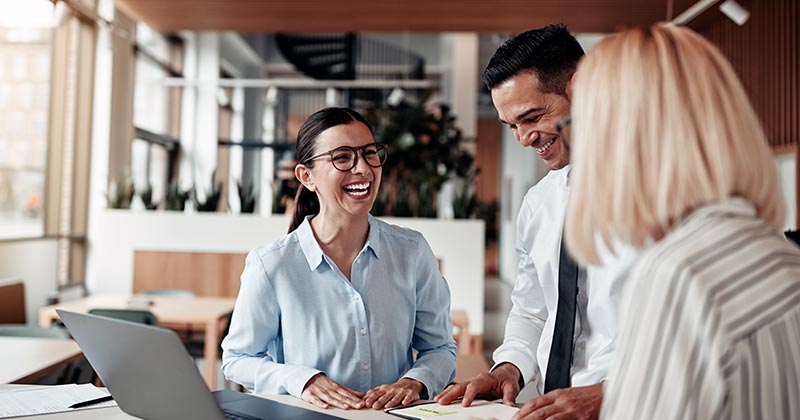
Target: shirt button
x=582, y=296
x=365, y=366
x=581, y=344
x=355, y=298
x=363, y=331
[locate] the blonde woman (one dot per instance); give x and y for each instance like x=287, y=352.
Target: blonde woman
x=668, y=155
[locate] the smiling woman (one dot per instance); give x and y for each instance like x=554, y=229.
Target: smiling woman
x=333, y=311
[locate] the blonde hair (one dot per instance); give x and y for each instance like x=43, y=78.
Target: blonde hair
x=662, y=125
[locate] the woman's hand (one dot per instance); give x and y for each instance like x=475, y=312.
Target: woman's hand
x=403, y=392
x=323, y=392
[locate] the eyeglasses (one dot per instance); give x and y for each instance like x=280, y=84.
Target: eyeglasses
x=564, y=128
x=345, y=158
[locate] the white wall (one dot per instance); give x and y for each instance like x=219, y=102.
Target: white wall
x=520, y=169
x=460, y=86
x=458, y=243
x=787, y=173
x=33, y=262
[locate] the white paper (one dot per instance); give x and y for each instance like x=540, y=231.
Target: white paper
x=48, y=399
x=477, y=410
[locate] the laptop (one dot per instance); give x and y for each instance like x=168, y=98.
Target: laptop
x=150, y=375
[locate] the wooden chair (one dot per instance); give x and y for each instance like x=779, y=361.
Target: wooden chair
x=12, y=303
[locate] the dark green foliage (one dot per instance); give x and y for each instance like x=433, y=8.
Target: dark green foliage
x=146, y=196
x=120, y=193
x=424, y=152
x=212, y=197
x=176, y=198
x=247, y=196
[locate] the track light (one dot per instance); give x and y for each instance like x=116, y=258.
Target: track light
x=734, y=11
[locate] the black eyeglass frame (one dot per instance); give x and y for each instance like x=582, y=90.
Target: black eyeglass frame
x=378, y=148
x=563, y=126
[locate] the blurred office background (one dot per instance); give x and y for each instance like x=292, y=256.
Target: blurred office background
x=149, y=144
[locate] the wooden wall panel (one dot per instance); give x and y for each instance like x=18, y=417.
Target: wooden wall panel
x=764, y=52
x=487, y=158
x=206, y=274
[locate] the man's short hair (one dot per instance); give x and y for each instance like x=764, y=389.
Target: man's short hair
x=552, y=53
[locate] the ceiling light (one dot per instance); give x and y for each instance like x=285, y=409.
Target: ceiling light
x=735, y=12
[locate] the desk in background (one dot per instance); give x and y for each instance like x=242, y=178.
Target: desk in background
x=25, y=359
x=211, y=313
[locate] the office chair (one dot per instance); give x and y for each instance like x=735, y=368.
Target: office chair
x=185, y=293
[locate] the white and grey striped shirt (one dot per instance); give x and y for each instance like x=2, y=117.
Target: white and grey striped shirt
x=711, y=323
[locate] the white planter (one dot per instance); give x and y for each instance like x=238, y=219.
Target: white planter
x=459, y=244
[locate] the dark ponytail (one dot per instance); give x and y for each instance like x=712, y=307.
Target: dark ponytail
x=306, y=203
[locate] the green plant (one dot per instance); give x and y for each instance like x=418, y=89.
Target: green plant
x=176, y=198
x=425, y=150
x=247, y=196
x=120, y=193
x=212, y=197
x=146, y=196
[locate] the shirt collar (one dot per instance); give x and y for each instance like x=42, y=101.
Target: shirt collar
x=309, y=244
x=313, y=252
x=563, y=174
x=374, y=237
x=731, y=206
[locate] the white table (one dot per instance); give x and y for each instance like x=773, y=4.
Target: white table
x=211, y=313
x=25, y=359
x=114, y=413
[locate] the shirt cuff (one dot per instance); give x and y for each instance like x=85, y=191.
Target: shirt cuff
x=425, y=394
x=295, y=378
x=518, y=359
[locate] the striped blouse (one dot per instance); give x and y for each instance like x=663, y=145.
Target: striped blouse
x=711, y=323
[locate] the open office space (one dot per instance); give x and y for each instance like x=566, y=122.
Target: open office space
x=154, y=155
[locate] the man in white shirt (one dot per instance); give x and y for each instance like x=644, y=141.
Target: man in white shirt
x=560, y=333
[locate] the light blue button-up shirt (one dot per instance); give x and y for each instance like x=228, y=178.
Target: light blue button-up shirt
x=297, y=315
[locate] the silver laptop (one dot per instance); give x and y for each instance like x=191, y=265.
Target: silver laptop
x=150, y=375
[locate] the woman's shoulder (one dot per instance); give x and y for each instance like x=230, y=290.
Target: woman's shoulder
x=395, y=232
x=278, y=248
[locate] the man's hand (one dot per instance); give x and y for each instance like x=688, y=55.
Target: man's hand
x=323, y=392
x=502, y=382
x=403, y=392
x=579, y=403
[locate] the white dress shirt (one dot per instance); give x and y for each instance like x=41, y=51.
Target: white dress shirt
x=529, y=329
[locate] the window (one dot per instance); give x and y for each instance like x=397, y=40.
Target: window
x=25, y=56
x=156, y=112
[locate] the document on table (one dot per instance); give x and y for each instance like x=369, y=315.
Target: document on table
x=478, y=410
x=48, y=399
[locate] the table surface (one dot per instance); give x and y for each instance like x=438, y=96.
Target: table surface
x=114, y=413
x=168, y=309
x=210, y=312
x=22, y=357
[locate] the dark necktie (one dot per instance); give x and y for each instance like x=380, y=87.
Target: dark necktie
x=560, y=360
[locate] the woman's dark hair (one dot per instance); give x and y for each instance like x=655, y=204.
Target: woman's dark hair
x=306, y=202
x=552, y=53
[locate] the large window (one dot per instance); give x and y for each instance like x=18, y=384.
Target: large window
x=25, y=51
x=156, y=112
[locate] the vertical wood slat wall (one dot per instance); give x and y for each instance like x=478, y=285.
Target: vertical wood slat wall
x=764, y=52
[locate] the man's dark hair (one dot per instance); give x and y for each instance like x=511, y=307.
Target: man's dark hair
x=552, y=53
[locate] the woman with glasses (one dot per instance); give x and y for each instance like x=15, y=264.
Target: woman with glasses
x=333, y=312
x=669, y=156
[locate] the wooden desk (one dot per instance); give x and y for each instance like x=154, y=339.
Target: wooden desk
x=211, y=313
x=25, y=359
